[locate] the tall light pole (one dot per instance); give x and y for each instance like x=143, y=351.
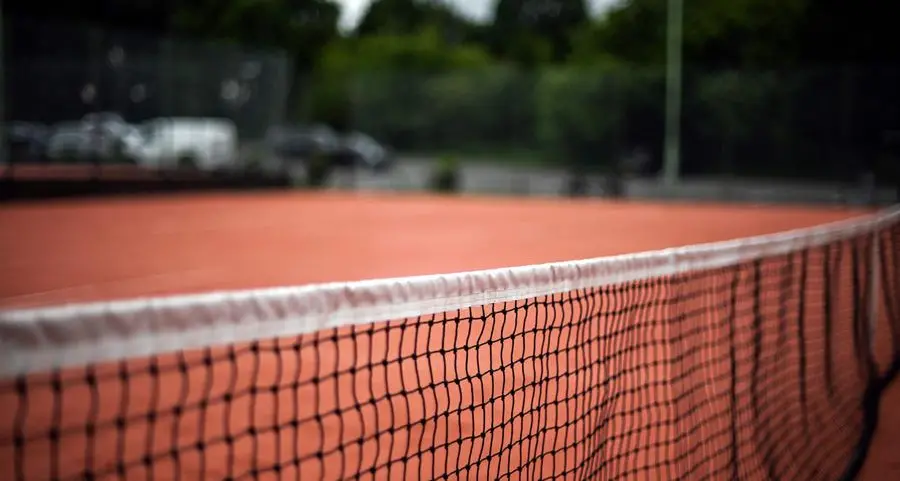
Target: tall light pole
x=671, y=154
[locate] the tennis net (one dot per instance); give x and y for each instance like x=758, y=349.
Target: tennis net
x=749, y=359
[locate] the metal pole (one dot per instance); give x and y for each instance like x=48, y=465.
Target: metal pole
x=671, y=159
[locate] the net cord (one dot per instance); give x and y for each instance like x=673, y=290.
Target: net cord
x=42, y=339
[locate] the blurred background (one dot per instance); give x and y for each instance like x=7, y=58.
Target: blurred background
x=746, y=100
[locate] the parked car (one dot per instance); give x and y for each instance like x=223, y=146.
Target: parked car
x=108, y=120
x=27, y=140
x=208, y=144
x=102, y=136
x=302, y=143
x=81, y=141
x=359, y=149
x=355, y=149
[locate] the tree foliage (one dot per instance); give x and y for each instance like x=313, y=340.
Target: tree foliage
x=301, y=27
x=536, y=24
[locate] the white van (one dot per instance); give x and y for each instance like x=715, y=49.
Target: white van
x=207, y=144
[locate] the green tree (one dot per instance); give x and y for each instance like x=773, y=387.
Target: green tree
x=302, y=28
x=847, y=33
x=589, y=46
x=381, y=83
x=481, y=109
x=520, y=24
x=732, y=107
x=409, y=17
x=581, y=114
x=392, y=17
x=716, y=33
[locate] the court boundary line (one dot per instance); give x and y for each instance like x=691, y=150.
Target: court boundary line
x=42, y=339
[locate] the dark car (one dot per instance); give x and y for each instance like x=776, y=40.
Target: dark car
x=352, y=150
x=360, y=150
x=300, y=143
x=71, y=141
x=27, y=141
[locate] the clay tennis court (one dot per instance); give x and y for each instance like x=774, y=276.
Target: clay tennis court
x=55, y=253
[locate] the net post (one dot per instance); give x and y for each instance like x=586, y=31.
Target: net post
x=874, y=286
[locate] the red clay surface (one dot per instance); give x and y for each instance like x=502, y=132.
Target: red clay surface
x=56, y=252
x=53, y=253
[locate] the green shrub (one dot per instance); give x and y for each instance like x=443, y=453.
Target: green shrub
x=580, y=115
x=446, y=176
x=589, y=118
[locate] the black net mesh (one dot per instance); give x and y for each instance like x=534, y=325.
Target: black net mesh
x=761, y=370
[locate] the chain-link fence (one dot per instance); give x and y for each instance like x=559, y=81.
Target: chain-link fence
x=830, y=124
x=827, y=124
x=835, y=125
x=62, y=72
x=101, y=100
